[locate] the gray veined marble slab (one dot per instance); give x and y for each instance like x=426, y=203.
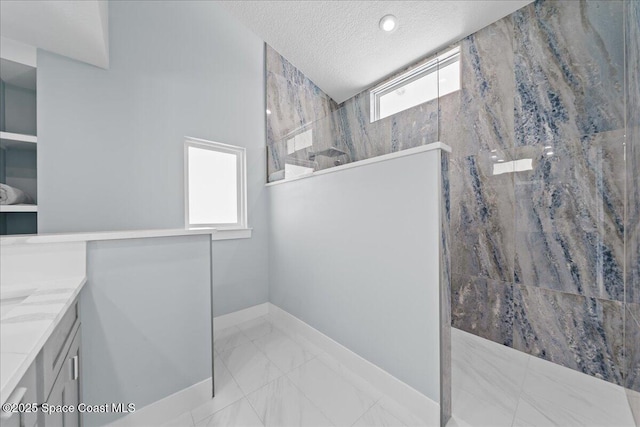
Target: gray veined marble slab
x=480, y=116
x=483, y=307
x=578, y=332
x=445, y=289
x=570, y=216
x=410, y=128
x=569, y=59
x=632, y=57
x=632, y=347
x=482, y=219
x=292, y=98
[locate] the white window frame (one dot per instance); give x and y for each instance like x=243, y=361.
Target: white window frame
x=241, y=181
x=409, y=77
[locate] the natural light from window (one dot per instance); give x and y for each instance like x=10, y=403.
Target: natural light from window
x=215, y=184
x=435, y=78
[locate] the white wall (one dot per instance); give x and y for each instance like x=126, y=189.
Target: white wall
x=355, y=255
x=110, y=141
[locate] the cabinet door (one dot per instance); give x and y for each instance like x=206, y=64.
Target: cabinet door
x=66, y=390
x=71, y=395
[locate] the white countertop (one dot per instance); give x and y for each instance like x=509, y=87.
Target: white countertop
x=29, y=313
x=216, y=234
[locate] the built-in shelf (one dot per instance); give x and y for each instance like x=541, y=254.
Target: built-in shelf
x=17, y=140
x=18, y=208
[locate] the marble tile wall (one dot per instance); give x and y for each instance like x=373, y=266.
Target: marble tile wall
x=538, y=259
x=445, y=290
x=294, y=105
x=297, y=105
x=632, y=289
x=541, y=267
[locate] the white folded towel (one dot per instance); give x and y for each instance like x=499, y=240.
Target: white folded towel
x=13, y=196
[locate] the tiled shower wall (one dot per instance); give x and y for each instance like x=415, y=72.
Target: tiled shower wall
x=537, y=257
x=632, y=289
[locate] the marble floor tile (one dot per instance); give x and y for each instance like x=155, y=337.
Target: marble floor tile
x=634, y=402
x=227, y=392
x=240, y=414
x=283, y=351
x=228, y=338
x=553, y=395
x=183, y=420
x=250, y=367
x=457, y=422
x=281, y=404
x=429, y=418
x=486, y=380
x=256, y=328
x=295, y=335
x=377, y=416
x=337, y=398
x=481, y=410
x=359, y=382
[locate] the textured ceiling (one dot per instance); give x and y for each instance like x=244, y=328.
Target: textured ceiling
x=76, y=29
x=339, y=46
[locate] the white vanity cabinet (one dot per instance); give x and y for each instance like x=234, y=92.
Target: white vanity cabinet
x=53, y=378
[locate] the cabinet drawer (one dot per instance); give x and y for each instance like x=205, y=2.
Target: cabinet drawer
x=57, y=346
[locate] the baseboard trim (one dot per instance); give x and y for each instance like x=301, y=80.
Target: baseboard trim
x=160, y=412
x=416, y=402
x=240, y=316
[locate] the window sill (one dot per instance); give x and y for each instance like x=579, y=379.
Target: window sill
x=232, y=233
x=226, y=233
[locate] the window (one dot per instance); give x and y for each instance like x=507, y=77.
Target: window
x=215, y=185
x=435, y=78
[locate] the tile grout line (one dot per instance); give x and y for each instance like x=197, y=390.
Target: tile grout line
x=521, y=389
x=225, y=406
x=331, y=369
x=254, y=409
x=305, y=395
x=375, y=400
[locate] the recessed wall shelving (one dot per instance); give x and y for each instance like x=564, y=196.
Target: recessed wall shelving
x=17, y=140
x=18, y=144
x=18, y=208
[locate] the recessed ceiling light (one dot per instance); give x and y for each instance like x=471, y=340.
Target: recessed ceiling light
x=388, y=23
